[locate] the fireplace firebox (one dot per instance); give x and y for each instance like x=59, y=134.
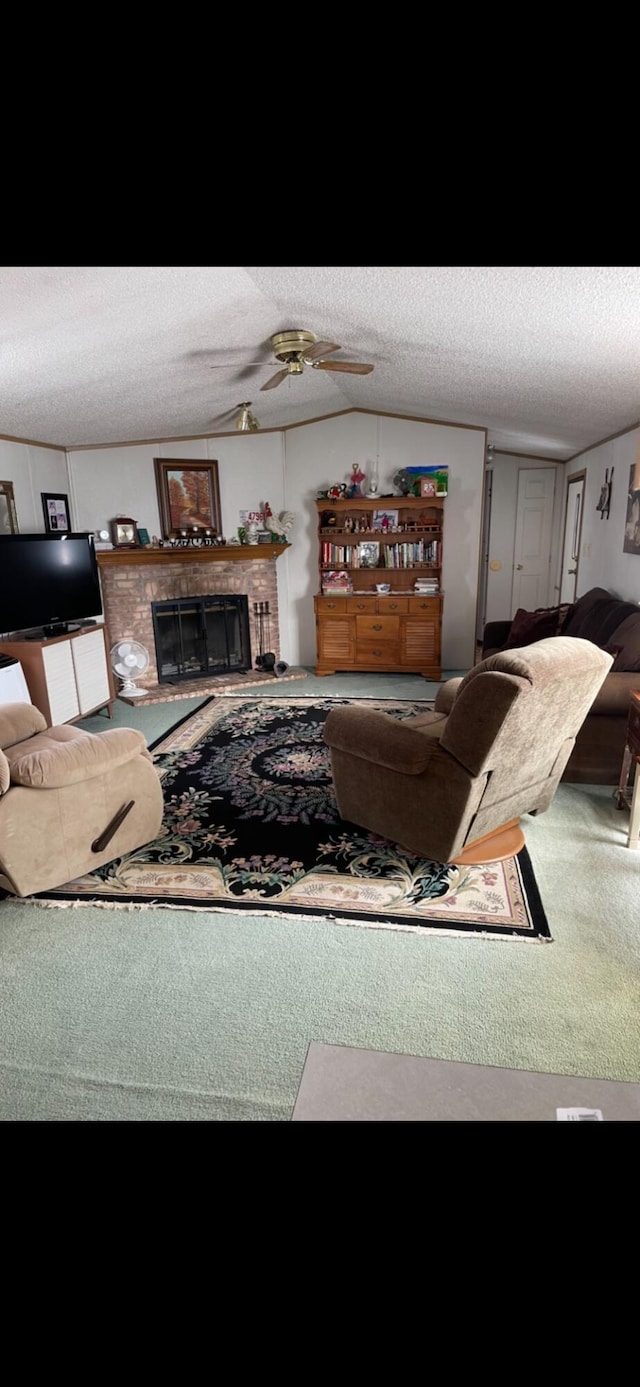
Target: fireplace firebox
x=201, y=635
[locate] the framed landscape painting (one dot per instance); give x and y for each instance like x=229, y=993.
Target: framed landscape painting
x=188, y=496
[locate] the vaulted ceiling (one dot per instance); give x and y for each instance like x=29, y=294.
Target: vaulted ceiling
x=546, y=358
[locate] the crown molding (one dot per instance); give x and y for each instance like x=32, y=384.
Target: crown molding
x=32, y=442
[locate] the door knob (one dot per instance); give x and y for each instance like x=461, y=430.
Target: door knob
x=518, y=565
x=572, y=570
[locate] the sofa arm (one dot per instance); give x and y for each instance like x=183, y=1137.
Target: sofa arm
x=68, y=763
x=495, y=634
x=19, y=721
x=613, y=698
x=381, y=739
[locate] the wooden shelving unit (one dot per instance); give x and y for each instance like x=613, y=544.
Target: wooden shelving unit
x=359, y=628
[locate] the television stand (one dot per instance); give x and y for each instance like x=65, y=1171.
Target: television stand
x=68, y=676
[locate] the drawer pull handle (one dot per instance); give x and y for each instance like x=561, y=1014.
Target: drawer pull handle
x=360, y=606
x=392, y=606
x=331, y=605
x=377, y=625
x=376, y=652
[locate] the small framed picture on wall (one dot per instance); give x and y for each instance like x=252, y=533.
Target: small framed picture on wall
x=56, y=512
x=427, y=486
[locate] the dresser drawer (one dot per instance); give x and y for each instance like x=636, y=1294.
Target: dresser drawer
x=392, y=603
x=378, y=629
x=424, y=604
x=331, y=604
x=386, y=654
x=361, y=604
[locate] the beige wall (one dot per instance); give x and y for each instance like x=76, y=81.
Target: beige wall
x=32, y=470
x=603, y=562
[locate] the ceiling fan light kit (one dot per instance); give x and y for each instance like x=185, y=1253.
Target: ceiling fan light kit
x=246, y=421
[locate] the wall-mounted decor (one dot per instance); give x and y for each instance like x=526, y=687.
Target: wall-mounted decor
x=8, y=517
x=632, y=523
x=604, y=504
x=56, y=512
x=188, y=495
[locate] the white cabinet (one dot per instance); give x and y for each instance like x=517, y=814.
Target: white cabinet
x=68, y=676
x=13, y=685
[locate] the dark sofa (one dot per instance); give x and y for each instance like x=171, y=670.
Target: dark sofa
x=613, y=625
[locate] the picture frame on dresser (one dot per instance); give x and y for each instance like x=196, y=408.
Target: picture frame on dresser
x=188, y=496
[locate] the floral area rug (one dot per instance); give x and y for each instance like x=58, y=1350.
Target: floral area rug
x=251, y=825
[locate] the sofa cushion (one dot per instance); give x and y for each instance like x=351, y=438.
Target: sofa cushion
x=627, y=638
x=600, y=620
x=5, y=773
x=528, y=627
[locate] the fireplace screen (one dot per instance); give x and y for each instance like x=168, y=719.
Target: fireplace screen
x=201, y=635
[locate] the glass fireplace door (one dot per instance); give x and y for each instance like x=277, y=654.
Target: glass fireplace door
x=196, y=636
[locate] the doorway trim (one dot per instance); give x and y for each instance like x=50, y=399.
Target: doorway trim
x=573, y=477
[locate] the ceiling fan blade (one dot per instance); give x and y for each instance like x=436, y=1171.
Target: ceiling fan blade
x=238, y=365
x=226, y=417
x=352, y=368
x=320, y=349
x=276, y=380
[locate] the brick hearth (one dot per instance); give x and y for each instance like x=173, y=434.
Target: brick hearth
x=132, y=579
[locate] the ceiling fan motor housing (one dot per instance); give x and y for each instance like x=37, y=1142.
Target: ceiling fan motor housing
x=290, y=346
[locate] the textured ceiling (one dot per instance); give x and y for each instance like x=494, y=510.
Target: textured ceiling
x=546, y=358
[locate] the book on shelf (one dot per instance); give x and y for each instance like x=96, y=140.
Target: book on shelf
x=336, y=581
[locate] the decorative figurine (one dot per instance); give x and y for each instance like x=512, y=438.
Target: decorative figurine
x=357, y=478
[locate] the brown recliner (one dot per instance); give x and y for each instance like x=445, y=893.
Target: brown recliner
x=70, y=800
x=494, y=748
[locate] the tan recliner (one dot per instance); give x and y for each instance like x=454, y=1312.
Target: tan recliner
x=451, y=784
x=70, y=800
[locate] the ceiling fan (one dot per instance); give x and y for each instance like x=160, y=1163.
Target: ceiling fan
x=297, y=348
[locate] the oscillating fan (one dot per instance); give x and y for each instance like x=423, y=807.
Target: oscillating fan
x=130, y=660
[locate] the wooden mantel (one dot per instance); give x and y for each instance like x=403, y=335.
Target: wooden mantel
x=213, y=553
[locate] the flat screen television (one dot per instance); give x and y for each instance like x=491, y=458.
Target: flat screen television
x=49, y=582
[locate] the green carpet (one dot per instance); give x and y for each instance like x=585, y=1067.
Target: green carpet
x=171, y=1015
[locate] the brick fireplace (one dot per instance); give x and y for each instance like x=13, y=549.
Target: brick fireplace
x=132, y=579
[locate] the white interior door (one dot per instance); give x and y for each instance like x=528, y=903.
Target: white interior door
x=572, y=533
x=534, y=519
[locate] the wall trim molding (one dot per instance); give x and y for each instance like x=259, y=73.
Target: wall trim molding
x=608, y=439
x=32, y=442
x=280, y=428
x=302, y=423
x=534, y=457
